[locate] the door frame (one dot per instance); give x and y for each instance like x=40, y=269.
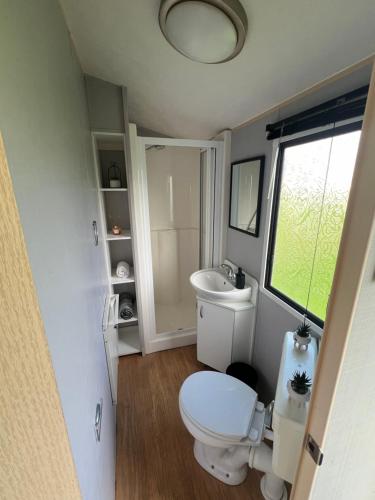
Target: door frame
x=33, y=431
x=344, y=308
x=152, y=341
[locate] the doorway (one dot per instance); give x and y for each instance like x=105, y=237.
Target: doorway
x=178, y=185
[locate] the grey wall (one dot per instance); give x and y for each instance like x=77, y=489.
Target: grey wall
x=43, y=118
x=146, y=132
x=105, y=105
x=248, y=142
x=272, y=320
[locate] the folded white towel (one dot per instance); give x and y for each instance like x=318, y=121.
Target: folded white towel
x=123, y=269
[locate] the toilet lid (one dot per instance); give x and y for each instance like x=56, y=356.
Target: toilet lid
x=219, y=403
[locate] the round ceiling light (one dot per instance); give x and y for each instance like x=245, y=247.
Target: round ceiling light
x=207, y=31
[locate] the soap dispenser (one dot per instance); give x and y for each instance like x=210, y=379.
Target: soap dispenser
x=240, y=279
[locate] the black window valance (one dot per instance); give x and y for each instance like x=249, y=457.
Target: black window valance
x=341, y=108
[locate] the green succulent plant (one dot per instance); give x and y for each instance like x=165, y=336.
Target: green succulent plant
x=304, y=330
x=300, y=382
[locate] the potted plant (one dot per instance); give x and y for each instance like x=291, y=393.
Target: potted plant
x=302, y=336
x=299, y=387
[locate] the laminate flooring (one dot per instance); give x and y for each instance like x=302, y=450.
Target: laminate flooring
x=155, y=458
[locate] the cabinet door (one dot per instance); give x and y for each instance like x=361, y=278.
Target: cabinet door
x=111, y=350
x=214, y=335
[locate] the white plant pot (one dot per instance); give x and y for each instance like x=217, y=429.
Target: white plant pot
x=300, y=399
x=301, y=343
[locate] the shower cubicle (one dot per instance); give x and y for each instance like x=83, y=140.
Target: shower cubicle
x=177, y=189
x=173, y=185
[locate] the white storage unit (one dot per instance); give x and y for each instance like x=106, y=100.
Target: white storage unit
x=224, y=332
x=289, y=418
x=109, y=149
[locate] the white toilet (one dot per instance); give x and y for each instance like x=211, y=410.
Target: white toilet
x=228, y=423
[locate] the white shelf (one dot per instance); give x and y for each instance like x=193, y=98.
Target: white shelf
x=115, y=280
x=130, y=321
x=113, y=189
x=125, y=235
x=128, y=340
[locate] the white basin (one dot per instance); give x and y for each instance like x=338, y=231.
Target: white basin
x=213, y=285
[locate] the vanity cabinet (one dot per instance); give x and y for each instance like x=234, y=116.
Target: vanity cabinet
x=224, y=333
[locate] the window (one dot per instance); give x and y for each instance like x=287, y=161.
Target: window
x=312, y=183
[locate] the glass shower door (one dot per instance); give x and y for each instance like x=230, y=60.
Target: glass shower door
x=173, y=181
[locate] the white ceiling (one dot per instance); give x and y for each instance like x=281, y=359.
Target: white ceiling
x=291, y=45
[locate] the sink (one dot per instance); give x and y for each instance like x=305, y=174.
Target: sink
x=211, y=284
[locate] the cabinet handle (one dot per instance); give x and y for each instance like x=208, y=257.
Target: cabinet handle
x=98, y=419
x=201, y=312
x=95, y=231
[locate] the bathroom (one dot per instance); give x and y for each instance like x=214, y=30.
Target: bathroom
x=152, y=196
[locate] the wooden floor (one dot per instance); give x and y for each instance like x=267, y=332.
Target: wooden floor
x=154, y=450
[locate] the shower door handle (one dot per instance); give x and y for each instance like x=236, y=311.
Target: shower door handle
x=201, y=311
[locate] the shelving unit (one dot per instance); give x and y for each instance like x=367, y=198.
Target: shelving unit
x=115, y=280
x=109, y=148
x=125, y=235
x=131, y=321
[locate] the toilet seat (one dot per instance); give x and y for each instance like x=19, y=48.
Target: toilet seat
x=207, y=436
x=218, y=405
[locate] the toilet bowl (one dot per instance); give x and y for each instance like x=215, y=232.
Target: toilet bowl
x=220, y=410
x=227, y=421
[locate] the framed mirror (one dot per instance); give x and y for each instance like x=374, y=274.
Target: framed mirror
x=246, y=184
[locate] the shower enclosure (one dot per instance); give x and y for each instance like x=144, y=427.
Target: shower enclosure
x=178, y=191
x=173, y=184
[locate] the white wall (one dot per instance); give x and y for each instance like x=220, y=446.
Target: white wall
x=43, y=118
x=248, y=252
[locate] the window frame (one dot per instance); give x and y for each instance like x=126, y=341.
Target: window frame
x=310, y=136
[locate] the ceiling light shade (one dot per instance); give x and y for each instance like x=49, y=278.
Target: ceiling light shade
x=207, y=31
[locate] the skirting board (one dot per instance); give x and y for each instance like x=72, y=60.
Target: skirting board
x=171, y=341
